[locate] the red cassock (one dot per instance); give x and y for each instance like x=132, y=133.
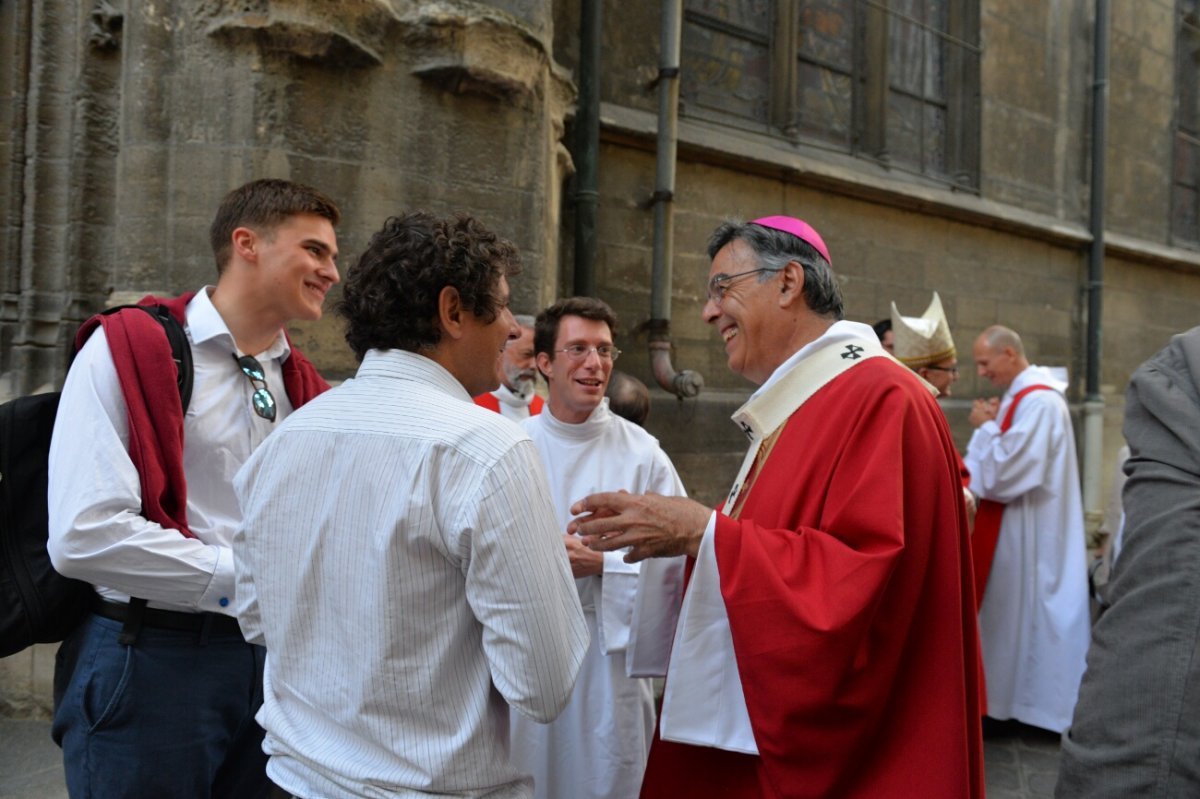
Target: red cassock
x=847, y=581
x=490, y=402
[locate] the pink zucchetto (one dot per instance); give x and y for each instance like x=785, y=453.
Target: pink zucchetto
x=798, y=228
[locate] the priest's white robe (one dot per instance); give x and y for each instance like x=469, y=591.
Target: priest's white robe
x=597, y=747
x=1034, y=622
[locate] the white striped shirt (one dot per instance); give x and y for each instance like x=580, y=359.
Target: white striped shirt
x=400, y=559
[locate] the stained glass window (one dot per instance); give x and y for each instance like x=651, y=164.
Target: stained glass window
x=917, y=108
x=726, y=69
x=896, y=81
x=825, y=71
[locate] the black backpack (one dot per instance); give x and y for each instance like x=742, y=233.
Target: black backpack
x=37, y=604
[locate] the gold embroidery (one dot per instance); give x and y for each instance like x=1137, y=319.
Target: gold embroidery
x=760, y=460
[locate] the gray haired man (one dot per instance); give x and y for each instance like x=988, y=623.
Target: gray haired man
x=515, y=398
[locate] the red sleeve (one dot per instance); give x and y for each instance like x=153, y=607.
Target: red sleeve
x=301, y=380
x=847, y=586
x=154, y=413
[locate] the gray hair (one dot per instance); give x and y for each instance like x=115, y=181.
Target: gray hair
x=524, y=320
x=775, y=249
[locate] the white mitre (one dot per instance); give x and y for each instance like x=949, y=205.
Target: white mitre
x=923, y=340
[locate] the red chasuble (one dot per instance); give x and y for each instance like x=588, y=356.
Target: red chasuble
x=847, y=581
x=490, y=402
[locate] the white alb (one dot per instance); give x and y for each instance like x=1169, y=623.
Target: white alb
x=1034, y=622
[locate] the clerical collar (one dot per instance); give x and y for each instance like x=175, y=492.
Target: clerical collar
x=1035, y=374
x=512, y=398
x=842, y=346
x=842, y=329
x=589, y=428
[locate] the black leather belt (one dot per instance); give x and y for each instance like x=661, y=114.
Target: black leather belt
x=204, y=622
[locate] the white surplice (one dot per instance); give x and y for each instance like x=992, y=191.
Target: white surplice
x=1034, y=621
x=597, y=748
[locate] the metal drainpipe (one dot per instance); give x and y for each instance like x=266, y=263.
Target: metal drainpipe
x=587, y=147
x=686, y=383
x=1093, y=406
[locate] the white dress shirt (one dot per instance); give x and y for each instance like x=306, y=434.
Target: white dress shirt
x=401, y=562
x=96, y=530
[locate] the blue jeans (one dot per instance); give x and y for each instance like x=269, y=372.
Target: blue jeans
x=172, y=715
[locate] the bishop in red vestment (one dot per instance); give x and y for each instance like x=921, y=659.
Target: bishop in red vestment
x=841, y=559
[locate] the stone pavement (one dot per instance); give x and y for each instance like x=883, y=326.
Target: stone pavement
x=1021, y=762
x=30, y=763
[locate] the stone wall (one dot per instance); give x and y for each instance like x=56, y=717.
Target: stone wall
x=130, y=126
x=1016, y=253
x=1142, y=101
x=126, y=123
x=1036, y=65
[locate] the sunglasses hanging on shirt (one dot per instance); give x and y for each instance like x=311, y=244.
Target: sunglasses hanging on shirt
x=262, y=400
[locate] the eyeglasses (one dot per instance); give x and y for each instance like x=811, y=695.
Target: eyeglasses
x=951, y=369
x=577, y=352
x=261, y=400
x=720, y=283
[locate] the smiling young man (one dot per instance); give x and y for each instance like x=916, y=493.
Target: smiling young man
x=399, y=556
x=159, y=698
x=597, y=748
x=826, y=644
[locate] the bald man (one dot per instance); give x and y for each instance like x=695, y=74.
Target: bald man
x=1034, y=620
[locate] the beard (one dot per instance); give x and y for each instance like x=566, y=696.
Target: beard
x=520, y=382
x=525, y=386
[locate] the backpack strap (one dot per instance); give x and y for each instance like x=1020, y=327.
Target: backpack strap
x=181, y=354
x=181, y=350
x=133, y=622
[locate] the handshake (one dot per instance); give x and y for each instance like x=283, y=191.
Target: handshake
x=983, y=410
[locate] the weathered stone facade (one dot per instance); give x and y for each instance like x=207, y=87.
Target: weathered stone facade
x=127, y=126
x=1014, y=253
x=126, y=123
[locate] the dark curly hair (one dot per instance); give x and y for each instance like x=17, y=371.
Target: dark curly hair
x=264, y=205
x=390, y=299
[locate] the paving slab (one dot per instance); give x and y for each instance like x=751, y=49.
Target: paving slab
x=1021, y=762
x=30, y=763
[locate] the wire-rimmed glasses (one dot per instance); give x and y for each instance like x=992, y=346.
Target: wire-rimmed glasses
x=719, y=284
x=577, y=352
